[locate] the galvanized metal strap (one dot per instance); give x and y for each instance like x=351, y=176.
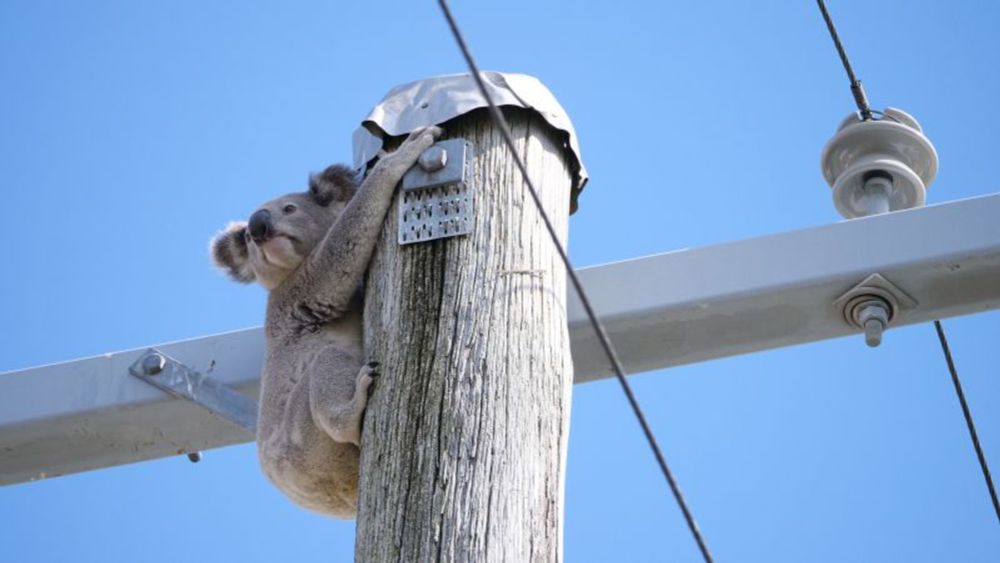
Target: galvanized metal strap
x=182, y=382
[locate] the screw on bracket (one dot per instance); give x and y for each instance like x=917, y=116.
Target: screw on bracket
x=153, y=363
x=433, y=159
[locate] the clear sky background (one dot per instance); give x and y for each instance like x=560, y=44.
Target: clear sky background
x=131, y=131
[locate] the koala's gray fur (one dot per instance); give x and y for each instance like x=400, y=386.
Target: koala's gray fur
x=312, y=257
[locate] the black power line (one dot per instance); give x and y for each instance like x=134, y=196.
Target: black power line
x=856, y=89
x=968, y=417
x=501, y=124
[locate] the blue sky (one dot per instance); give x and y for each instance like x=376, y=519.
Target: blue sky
x=132, y=131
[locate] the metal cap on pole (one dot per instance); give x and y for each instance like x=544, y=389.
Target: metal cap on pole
x=438, y=99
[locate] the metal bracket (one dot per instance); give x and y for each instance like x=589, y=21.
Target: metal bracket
x=437, y=194
x=177, y=379
x=873, y=305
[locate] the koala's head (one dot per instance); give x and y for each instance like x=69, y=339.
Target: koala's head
x=282, y=232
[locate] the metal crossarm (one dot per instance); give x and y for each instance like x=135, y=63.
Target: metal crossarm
x=681, y=307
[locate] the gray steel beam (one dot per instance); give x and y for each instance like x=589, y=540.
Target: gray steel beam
x=676, y=308
x=91, y=413
x=703, y=303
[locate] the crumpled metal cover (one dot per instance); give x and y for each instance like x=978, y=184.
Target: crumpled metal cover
x=435, y=100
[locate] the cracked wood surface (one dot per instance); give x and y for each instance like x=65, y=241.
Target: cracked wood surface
x=464, y=444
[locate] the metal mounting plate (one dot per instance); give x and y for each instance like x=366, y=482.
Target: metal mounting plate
x=438, y=204
x=875, y=285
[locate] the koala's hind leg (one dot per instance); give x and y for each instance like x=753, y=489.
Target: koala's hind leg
x=338, y=394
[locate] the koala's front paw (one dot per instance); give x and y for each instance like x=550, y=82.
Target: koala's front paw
x=433, y=131
x=421, y=139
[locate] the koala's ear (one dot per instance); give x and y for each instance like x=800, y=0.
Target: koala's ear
x=229, y=252
x=336, y=183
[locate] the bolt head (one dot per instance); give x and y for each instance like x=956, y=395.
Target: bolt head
x=433, y=159
x=153, y=364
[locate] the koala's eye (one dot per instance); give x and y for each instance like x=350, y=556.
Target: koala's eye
x=289, y=209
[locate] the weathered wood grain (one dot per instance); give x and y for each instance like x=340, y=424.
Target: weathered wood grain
x=464, y=446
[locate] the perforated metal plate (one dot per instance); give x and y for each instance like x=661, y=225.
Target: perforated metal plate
x=438, y=204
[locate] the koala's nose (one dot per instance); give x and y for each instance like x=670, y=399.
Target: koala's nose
x=260, y=225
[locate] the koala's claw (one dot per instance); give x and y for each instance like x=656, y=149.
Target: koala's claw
x=425, y=137
x=367, y=378
x=367, y=374
x=433, y=130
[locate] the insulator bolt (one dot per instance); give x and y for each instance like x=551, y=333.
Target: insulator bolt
x=877, y=192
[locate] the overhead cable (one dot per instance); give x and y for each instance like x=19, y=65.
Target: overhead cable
x=609, y=350
x=866, y=113
x=968, y=418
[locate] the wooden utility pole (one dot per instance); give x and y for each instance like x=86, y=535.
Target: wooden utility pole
x=464, y=446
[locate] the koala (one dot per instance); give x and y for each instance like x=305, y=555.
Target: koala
x=310, y=250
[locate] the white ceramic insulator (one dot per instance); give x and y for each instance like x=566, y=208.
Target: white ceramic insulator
x=895, y=146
